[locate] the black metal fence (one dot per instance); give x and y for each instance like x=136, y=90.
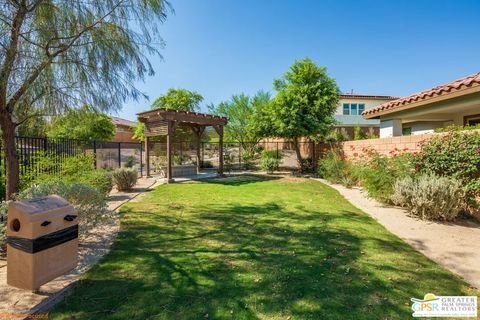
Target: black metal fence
x=106, y=154
x=237, y=156
x=112, y=155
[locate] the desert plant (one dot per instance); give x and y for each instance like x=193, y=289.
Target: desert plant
x=130, y=162
x=90, y=204
x=125, y=178
x=430, y=197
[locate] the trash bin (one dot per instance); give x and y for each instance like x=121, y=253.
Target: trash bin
x=42, y=241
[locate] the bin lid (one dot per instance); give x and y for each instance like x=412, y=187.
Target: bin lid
x=41, y=205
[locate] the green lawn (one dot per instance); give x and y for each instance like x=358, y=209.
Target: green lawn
x=254, y=248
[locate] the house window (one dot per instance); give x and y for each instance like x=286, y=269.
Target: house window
x=407, y=131
x=119, y=129
x=472, y=120
x=354, y=109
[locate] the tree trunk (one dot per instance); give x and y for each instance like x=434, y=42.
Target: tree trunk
x=11, y=156
x=299, y=154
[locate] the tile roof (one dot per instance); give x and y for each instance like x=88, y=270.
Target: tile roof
x=123, y=122
x=365, y=96
x=456, y=85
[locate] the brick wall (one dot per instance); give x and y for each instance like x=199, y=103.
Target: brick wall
x=385, y=146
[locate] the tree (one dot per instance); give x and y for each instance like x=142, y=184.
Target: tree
x=304, y=105
x=84, y=124
x=60, y=53
x=176, y=99
x=179, y=99
x=241, y=111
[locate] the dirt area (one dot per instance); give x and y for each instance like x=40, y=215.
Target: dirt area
x=452, y=245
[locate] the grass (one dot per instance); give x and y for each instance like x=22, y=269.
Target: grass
x=254, y=248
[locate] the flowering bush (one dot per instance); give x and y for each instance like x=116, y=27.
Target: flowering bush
x=336, y=169
x=430, y=197
x=455, y=154
x=377, y=173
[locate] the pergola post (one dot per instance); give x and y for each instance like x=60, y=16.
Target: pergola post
x=170, y=131
x=219, y=130
x=198, y=131
x=147, y=157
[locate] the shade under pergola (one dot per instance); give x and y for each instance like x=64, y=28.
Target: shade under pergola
x=163, y=122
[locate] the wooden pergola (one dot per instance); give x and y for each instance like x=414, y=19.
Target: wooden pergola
x=163, y=122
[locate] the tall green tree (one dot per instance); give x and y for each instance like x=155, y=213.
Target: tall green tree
x=304, y=105
x=179, y=99
x=85, y=123
x=58, y=53
x=241, y=111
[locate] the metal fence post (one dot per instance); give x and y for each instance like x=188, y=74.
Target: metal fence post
x=239, y=156
x=203, y=154
x=141, y=159
x=119, y=155
x=95, y=153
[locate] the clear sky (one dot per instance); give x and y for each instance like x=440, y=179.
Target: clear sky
x=384, y=47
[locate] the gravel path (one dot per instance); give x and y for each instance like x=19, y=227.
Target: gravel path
x=452, y=245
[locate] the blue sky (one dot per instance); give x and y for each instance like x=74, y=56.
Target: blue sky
x=225, y=47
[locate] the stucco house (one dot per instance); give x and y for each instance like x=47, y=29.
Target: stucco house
x=456, y=102
x=349, y=110
x=124, y=130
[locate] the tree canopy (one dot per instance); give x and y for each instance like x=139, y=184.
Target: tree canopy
x=176, y=99
x=179, y=99
x=241, y=111
x=85, y=124
x=60, y=53
x=304, y=105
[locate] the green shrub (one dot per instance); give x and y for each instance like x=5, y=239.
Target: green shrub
x=90, y=204
x=454, y=127
x=269, y=164
x=336, y=169
x=125, y=178
x=377, y=173
x=100, y=179
x=130, y=162
x=455, y=154
x=430, y=197
x=358, y=134
x=270, y=160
